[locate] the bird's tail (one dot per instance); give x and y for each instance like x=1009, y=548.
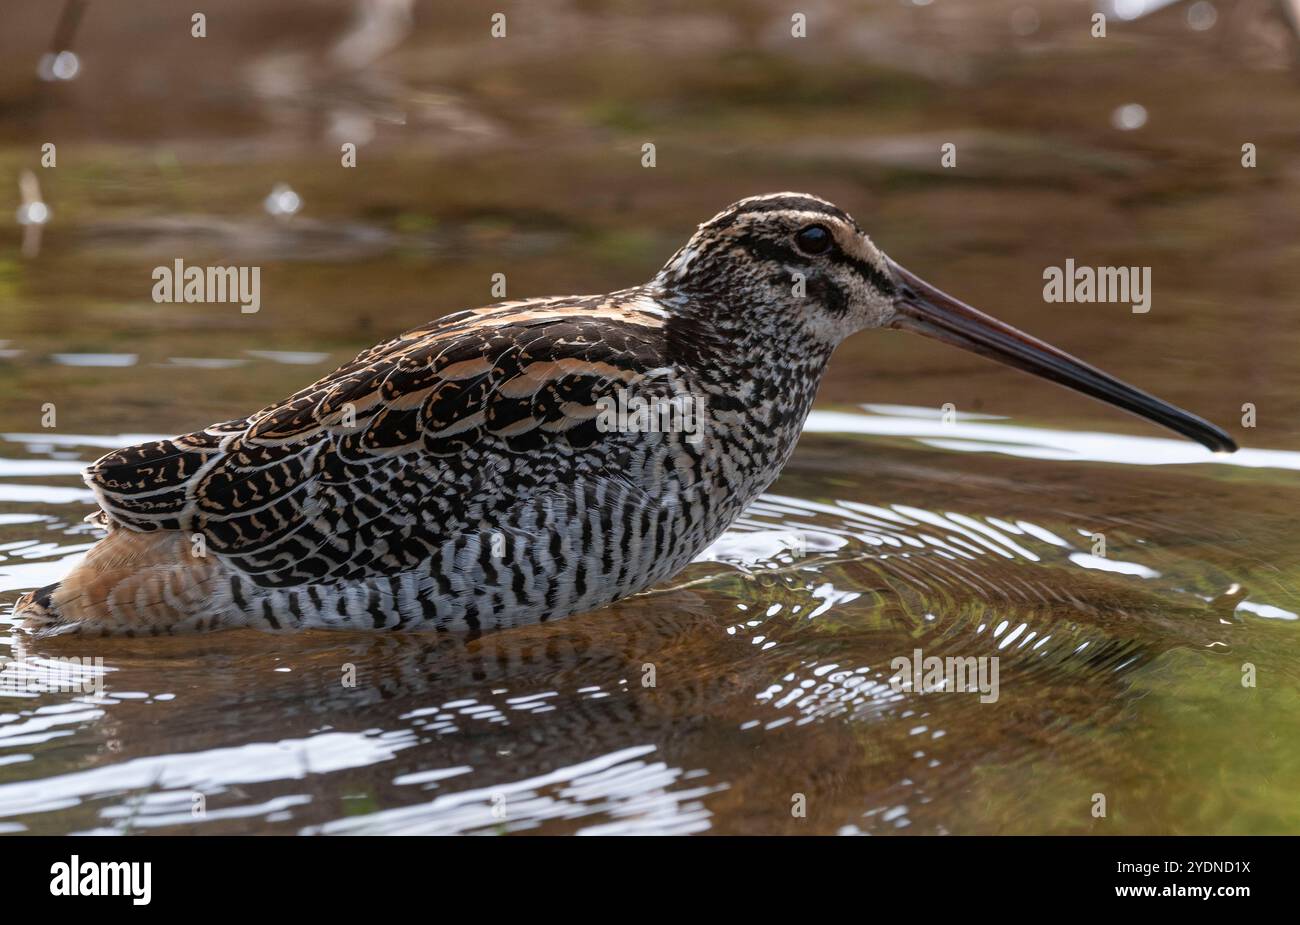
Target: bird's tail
x=129, y=583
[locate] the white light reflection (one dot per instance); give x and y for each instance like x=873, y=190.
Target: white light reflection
x=1046, y=443
x=1202, y=16
x=1084, y=560
x=1133, y=9
x=638, y=796
x=283, y=202
x=1129, y=117
x=210, y=771
x=63, y=65
x=1267, y=611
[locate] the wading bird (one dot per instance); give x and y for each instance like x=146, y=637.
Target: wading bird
x=461, y=477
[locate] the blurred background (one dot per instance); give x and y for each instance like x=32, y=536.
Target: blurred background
x=522, y=155
x=1121, y=673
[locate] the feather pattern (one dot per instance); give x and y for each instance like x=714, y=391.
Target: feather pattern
x=465, y=474
x=367, y=470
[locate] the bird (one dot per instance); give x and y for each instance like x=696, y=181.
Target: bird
x=523, y=461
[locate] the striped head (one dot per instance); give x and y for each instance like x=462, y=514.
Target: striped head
x=786, y=260
x=791, y=271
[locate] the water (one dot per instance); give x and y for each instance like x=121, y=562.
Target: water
x=755, y=684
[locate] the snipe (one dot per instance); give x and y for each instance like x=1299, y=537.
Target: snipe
x=462, y=475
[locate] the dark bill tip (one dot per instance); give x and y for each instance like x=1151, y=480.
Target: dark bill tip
x=926, y=310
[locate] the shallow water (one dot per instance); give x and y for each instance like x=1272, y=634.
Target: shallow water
x=1120, y=670
x=771, y=659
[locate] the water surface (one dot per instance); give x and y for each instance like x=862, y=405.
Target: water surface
x=893, y=529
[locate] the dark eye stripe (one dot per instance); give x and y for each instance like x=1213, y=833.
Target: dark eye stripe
x=877, y=279
x=764, y=248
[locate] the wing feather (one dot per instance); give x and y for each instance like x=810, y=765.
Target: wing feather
x=371, y=468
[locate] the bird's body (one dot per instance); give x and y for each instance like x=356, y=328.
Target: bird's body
x=467, y=475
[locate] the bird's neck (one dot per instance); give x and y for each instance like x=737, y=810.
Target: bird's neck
x=770, y=373
x=711, y=332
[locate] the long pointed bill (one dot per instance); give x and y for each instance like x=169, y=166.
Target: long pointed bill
x=925, y=310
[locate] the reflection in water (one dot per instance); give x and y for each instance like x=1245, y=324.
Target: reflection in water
x=95, y=359
x=290, y=357
x=638, y=796
x=761, y=672
x=33, y=214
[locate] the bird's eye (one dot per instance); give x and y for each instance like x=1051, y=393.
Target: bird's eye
x=813, y=239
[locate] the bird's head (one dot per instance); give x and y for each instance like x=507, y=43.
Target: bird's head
x=790, y=263
x=787, y=260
